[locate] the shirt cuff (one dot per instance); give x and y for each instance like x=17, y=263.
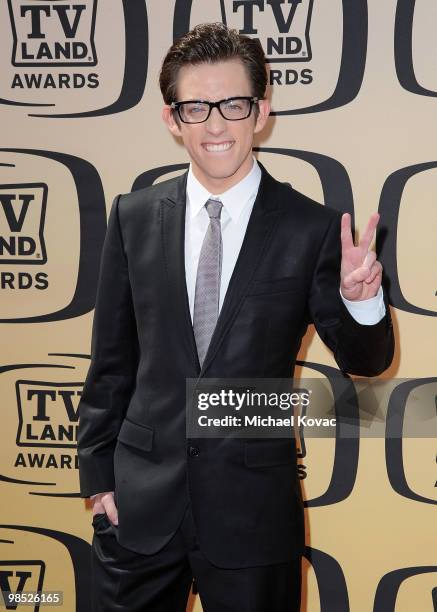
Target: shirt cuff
x=366, y=312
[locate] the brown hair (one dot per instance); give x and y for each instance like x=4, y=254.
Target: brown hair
x=210, y=43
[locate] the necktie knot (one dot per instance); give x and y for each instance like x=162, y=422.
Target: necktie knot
x=214, y=208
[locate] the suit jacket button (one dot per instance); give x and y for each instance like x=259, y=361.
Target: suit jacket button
x=193, y=451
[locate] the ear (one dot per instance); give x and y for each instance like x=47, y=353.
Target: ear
x=263, y=115
x=169, y=119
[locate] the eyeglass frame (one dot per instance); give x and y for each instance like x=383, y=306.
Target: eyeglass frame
x=175, y=106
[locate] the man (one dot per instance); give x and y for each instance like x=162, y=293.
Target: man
x=214, y=274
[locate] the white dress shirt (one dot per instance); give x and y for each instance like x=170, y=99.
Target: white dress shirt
x=237, y=203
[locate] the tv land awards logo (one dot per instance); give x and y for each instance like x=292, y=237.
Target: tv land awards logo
x=33, y=215
x=47, y=413
x=55, y=60
x=18, y=576
x=316, y=51
x=47, y=420
x=38, y=559
x=287, y=38
x=53, y=34
x=40, y=429
x=22, y=235
x=22, y=214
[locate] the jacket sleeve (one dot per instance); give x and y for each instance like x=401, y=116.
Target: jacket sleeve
x=366, y=350
x=114, y=360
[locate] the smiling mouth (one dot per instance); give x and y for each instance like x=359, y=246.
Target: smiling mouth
x=217, y=148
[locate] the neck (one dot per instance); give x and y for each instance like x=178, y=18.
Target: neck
x=218, y=185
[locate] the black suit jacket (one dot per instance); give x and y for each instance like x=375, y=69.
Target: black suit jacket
x=245, y=494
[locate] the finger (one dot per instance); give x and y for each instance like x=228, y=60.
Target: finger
x=110, y=508
x=375, y=270
x=369, y=232
x=369, y=259
x=347, y=241
x=98, y=507
x=356, y=276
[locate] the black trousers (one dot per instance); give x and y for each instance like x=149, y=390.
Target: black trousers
x=126, y=581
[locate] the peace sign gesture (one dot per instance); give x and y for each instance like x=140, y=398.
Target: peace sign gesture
x=360, y=272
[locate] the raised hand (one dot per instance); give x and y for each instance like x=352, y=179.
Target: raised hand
x=361, y=272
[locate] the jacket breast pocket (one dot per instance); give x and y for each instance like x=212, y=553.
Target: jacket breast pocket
x=269, y=452
x=137, y=435
x=276, y=285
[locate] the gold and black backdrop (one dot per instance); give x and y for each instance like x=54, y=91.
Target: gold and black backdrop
x=354, y=97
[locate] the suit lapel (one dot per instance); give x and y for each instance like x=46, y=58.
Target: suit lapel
x=173, y=240
x=262, y=221
x=259, y=232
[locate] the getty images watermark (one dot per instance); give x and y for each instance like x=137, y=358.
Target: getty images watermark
x=311, y=407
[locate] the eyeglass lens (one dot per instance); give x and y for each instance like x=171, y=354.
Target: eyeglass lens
x=195, y=112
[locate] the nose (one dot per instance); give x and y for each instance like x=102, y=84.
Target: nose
x=216, y=124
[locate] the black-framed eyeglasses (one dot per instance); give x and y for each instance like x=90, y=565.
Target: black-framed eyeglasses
x=231, y=109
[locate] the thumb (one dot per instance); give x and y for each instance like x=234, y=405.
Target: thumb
x=110, y=508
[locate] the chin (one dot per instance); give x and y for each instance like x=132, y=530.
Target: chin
x=222, y=171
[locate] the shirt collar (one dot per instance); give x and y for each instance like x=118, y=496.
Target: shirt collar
x=233, y=200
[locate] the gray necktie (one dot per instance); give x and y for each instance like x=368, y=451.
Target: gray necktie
x=206, y=300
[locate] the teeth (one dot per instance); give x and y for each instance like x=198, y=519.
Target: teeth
x=219, y=147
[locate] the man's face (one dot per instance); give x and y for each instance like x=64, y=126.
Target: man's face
x=220, y=150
